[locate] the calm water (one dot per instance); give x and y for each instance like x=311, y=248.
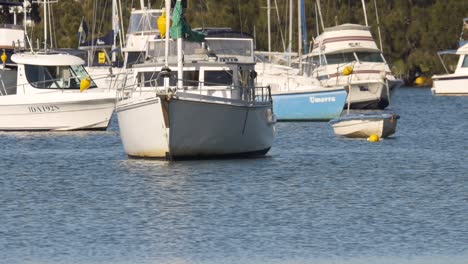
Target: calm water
x=76, y=197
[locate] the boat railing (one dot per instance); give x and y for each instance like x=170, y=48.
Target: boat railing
x=253, y=94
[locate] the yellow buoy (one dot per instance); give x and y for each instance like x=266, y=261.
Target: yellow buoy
x=373, y=138
x=348, y=70
x=85, y=84
x=162, y=24
x=4, y=57
x=421, y=81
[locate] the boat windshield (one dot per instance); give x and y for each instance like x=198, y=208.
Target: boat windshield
x=340, y=58
x=465, y=62
x=370, y=56
x=143, y=22
x=56, y=77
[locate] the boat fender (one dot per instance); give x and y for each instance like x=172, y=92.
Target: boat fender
x=253, y=74
x=4, y=57
x=347, y=70
x=373, y=138
x=85, y=84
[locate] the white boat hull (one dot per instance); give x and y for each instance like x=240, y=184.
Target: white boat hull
x=193, y=126
x=73, y=111
x=362, y=127
x=450, y=85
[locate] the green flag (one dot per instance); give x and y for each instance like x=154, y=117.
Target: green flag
x=181, y=29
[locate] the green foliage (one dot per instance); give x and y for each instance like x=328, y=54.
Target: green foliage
x=412, y=30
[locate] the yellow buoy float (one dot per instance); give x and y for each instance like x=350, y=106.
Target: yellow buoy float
x=162, y=24
x=373, y=138
x=4, y=57
x=85, y=84
x=348, y=70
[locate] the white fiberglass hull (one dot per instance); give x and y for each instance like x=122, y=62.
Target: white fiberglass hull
x=451, y=84
x=363, y=127
x=63, y=111
x=193, y=126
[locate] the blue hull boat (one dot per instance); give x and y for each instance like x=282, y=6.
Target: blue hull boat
x=306, y=105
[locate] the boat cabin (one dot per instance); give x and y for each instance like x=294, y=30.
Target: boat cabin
x=217, y=67
x=142, y=27
x=44, y=72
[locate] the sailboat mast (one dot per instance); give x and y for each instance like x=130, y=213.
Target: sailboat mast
x=142, y=4
x=299, y=33
x=269, y=25
x=290, y=31
x=45, y=24
x=180, y=58
x=365, y=13
x=115, y=25
x=168, y=28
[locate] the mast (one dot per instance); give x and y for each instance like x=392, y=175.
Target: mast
x=168, y=26
x=269, y=26
x=365, y=13
x=290, y=31
x=45, y=24
x=304, y=27
x=299, y=33
x=115, y=26
x=142, y=4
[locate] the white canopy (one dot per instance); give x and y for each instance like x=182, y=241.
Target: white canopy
x=46, y=59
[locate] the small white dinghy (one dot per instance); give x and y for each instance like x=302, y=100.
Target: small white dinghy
x=380, y=125
x=365, y=125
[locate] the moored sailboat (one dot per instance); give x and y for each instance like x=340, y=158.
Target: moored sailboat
x=203, y=104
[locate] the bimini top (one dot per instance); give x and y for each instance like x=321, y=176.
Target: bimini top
x=347, y=27
x=46, y=59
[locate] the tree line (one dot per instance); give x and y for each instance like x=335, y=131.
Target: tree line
x=412, y=30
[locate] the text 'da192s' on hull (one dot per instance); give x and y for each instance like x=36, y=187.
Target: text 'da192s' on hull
x=78, y=112
x=194, y=126
x=363, y=126
x=309, y=105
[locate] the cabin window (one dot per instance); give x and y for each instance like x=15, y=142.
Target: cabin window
x=218, y=78
x=370, y=56
x=465, y=62
x=56, y=77
x=151, y=79
x=134, y=58
x=143, y=22
x=340, y=58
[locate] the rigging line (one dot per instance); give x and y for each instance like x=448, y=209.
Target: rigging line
x=122, y=32
x=53, y=32
x=103, y=17
x=279, y=23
